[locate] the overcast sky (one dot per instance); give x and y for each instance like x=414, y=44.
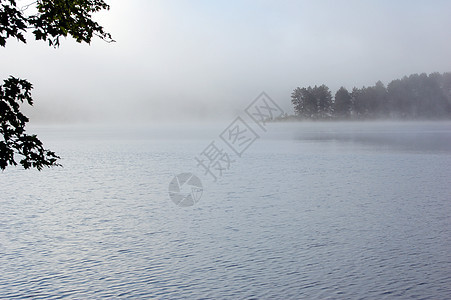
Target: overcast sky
x=209, y=59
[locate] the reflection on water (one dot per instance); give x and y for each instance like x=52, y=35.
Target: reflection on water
x=423, y=136
x=311, y=210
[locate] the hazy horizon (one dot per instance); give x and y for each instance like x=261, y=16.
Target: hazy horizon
x=175, y=60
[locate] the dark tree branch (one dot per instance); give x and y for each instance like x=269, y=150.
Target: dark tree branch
x=54, y=19
x=15, y=141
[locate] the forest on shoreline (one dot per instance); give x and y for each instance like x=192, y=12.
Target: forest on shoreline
x=418, y=96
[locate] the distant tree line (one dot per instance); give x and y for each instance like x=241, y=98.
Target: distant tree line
x=417, y=96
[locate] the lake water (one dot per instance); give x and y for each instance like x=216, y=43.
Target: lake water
x=309, y=211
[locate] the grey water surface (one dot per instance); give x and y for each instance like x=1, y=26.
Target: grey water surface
x=309, y=211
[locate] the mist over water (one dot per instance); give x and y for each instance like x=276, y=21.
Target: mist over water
x=310, y=210
x=393, y=135
x=162, y=195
